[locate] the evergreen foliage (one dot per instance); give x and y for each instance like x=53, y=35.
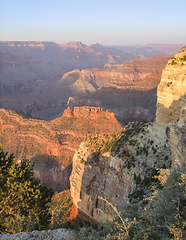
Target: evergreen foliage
x=23, y=201
x=60, y=207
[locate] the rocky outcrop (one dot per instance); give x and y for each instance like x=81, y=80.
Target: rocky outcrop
x=121, y=168
x=89, y=113
x=176, y=134
x=117, y=168
x=51, y=144
x=58, y=234
x=128, y=105
x=172, y=90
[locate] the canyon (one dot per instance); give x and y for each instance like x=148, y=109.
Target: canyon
x=128, y=89
x=43, y=78
x=121, y=169
x=51, y=144
x=110, y=162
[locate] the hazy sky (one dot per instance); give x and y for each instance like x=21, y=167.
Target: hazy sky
x=116, y=22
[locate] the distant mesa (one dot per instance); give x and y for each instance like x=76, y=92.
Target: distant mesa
x=89, y=113
x=73, y=44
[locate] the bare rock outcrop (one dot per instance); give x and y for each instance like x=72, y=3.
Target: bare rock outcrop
x=171, y=92
x=121, y=168
x=89, y=113
x=176, y=134
x=117, y=168
x=57, y=234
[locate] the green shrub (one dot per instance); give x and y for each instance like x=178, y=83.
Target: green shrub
x=164, y=217
x=173, y=62
x=60, y=209
x=23, y=201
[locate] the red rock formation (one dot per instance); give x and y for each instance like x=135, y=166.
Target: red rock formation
x=89, y=113
x=51, y=144
x=68, y=113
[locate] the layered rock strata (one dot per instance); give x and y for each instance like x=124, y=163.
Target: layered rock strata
x=121, y=169
x=129, y=75
x=172, y=90
x=51, y=144
x=128, y=89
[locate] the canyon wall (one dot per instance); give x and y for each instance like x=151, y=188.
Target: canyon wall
x=121, y=168
x=51, y=144
x=30, y=78
x=172, y=90
x=129, y=75
x=128, y=89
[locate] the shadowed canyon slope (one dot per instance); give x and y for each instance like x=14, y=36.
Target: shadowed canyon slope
x=121, y=168
x=128, y=89
x=30, y=73
x=51, y=144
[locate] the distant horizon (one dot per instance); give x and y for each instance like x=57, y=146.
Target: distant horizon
x=44, y=41
x=108, y=22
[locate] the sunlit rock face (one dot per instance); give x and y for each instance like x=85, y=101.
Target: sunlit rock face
x=122, y=173
x=171, y=94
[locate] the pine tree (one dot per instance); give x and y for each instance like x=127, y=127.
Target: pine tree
x=23, y=201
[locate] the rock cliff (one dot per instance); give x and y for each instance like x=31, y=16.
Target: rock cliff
x=30, y=71
x=121, y=168
x=172, y=90
x=129, y=75
x=128, y=89
x=51, y=144
x=176, y=134
x=118, y=168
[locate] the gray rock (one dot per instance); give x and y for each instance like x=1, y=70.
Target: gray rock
x=57, y=234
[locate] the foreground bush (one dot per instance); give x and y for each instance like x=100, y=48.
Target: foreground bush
x=60, y=208
x=23, y=201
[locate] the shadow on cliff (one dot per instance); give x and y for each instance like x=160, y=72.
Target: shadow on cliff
x=128, y=105
x=101, y=178
x=172, y=113
x=93, y=184
x=49, y=171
